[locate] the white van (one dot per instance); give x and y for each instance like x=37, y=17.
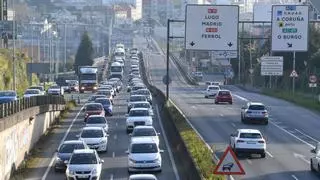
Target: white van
x=116, y=69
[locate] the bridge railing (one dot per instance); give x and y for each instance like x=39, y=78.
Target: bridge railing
x=19, y=105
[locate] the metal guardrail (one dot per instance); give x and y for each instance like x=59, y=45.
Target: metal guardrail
x=13, y=107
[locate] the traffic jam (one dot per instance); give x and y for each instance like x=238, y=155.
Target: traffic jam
x=79, y=159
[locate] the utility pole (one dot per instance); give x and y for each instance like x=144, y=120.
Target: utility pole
x=65, y=48
x=14, y=47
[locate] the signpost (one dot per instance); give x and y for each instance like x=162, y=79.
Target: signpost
x=211, y=27
x=271, y=66
x=290, y=27
x=229, y=164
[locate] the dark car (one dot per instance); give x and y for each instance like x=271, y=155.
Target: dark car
x=7, y=96
x=95, y=96
x=65, y=151
x=106, y=103
x=223, y=96
x=93, y=109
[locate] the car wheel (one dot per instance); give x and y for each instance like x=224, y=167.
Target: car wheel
x=216, y=102
x=128, y=131
x=205, y=96
x=263, y=155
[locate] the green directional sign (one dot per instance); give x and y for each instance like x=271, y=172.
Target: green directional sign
x=289, y=30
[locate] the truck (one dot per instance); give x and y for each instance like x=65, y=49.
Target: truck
x=88, y=78
x=116, y=70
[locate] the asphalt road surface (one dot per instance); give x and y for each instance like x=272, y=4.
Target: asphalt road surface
x=115, y=160
x=291, y=133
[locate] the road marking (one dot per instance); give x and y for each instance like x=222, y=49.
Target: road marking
x=221, y=115
x=310, y=145
x=269, y=154
x=115, y=136
x=294, y=177
x=167, y=145
x=240, y=97
x=111, y=176
x=116, y=124
x=302, y=157
x=249, y=161
x=233, y=124
x=306, y=135
x=62, y=140
x=194, y=107
x=113, y=154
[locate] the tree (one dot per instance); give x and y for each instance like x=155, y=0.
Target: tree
x=84, y=56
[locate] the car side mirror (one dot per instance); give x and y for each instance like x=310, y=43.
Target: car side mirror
x=313, y=151
x=127, y=152
x=101, y=161
x=161, y=151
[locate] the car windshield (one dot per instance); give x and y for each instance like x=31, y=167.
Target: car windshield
x=54, y=87
x=93, y=107
x=7, y=93
x=96, y=120
x=32, y=91
x=141, y=105
x=144, y=132
x=139, y=113
x=104, y=92
x=92, y=133
x=256, y=107
x=68, y=148
x=37, y=87
x=103, y=101
x=137, y=98
x=144, y=148
x=83, y=158
x=137, y=88
x=250, y=135
x=224, y=93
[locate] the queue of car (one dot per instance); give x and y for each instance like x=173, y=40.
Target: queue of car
x=80, y=159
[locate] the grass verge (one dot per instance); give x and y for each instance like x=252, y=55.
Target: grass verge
x=33, y=159
x=198, y=150
x=307, y=102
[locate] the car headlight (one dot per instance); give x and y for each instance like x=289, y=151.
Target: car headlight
x=156, y=160
x=94, y=171
x=103, y=141
x=132, y=160
x=71, y=172
x=94, y=87
x=82, y=88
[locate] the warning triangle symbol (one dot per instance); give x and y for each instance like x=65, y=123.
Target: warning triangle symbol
x=229, y=164
x=294, y=74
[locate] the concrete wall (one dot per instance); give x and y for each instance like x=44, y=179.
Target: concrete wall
x=18, y=135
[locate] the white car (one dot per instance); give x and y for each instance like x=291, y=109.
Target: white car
x=211, y=91
x=138, y=117
x=95, y=137
x=142, y=177
x=107, y=87
x=97, y=121
x=145, y=132
x=84, y=164
x=249, y=141
x=56, y=90
x=41, y=88
x=143, y=104
x=144, y=155
x=32, y=92
x=135, y=98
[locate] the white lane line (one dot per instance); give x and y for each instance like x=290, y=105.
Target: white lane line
x=249, y=161
x=269, y=154
x=167, y=145
x=310, y=145
x=301, y=157
x=233, y=124
x=116, y=124
x=194, y=107
x=113, y=154
x=62, y=140
x=306, y=135
x=240, y=97
x=294, y=177
x=221, y=115
x=111, y=176
x=115, y=136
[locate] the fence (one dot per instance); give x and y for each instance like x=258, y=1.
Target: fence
x=13, y=107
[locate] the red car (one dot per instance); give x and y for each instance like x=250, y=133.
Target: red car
x=223, y=96
x=93, y=109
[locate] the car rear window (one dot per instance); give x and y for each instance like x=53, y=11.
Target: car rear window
x=93, y=107
x=96, y=120
x=223, y=93
x=250, y=135
x=213, y=88
x=257, y=107
x=139, y=113
x=144, y=132
x=68, y=148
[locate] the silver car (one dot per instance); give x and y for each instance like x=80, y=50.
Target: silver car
x=254, y=112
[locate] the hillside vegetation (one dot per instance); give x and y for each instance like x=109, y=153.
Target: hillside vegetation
x=6, y=71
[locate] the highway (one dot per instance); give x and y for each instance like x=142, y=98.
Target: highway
x=115, y=160
x=291, y=133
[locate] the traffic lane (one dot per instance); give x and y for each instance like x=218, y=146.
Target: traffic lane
x=261, y=167
x=302, y=122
